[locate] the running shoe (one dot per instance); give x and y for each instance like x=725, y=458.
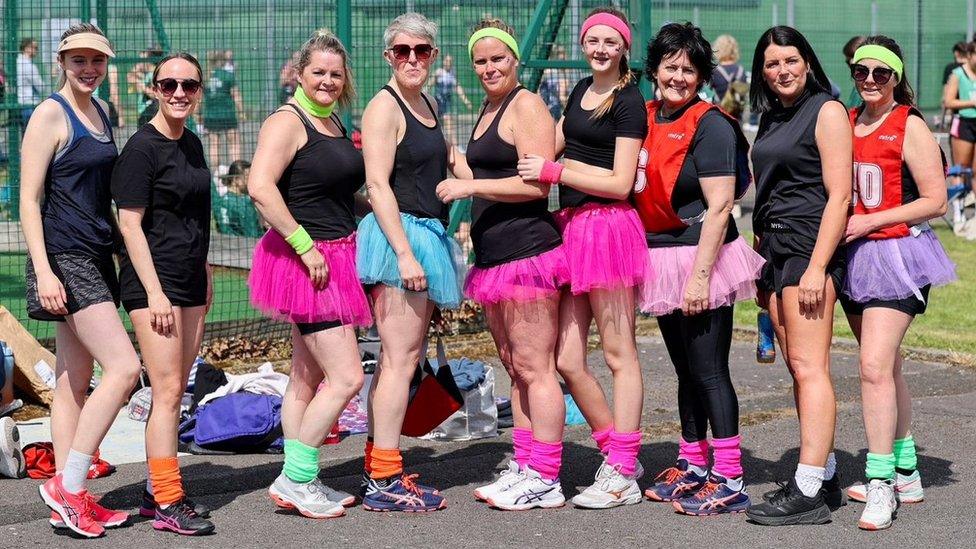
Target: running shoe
x=108, y=518
x=506, y=479
x=401, y=493
x=638, y=469
x=789, y=506
x=715, y=498
x=74, y=509
x=308, y=498
x=148, y=507
x=675, y=483
x=530, y=492
x=12, y=464
x=182, y=519
x=611, y=489
x=908, y=489
x=833, y=495
x=881, y=505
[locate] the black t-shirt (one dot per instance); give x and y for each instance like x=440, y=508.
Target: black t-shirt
x=593, y=142
x=790, y=192
x=170, y=179
x=712, y=154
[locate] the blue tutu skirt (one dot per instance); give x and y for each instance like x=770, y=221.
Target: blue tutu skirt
x=435, y=250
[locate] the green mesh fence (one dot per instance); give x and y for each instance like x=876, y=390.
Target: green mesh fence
x=246, y=45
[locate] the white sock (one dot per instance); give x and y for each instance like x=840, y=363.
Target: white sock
x=700, y=471
x=809, y=479
x=734, y=483
x=75, y=471
x=831, y=467
x=149, y=486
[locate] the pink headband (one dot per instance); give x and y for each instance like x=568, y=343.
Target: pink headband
x=609, y=20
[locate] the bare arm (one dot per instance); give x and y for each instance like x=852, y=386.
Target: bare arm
x=719, y=193
x=618, y=184
x=458, y=164
x=561, y=139
x=950, y=97
x=161, y=313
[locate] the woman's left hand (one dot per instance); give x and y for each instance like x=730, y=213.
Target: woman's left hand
x=696, y=296
x=450, y=190
x=530, y=167
x=811, y=290
x=858, y=226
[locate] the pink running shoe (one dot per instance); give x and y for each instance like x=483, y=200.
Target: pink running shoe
x=75, y=509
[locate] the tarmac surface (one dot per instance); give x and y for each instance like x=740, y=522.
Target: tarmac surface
x=235, y=486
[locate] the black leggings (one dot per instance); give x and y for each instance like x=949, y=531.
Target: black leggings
x=699, y=347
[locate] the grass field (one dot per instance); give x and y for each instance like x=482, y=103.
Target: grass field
x=950, y=320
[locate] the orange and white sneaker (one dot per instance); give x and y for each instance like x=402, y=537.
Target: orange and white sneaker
x=908, y=489
x=75, y=510
x=611, y=489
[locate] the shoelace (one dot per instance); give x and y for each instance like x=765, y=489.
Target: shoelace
x=780, y=493
x=875, y=495
x=670, y=475
x=86, y=506
x=707, y=490
x=182, y=510
x=408, y=484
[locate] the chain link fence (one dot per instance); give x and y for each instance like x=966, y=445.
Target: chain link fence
x=246, y=48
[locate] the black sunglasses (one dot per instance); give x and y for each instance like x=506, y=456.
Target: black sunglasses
x=168, y=86
x=880, y=75
x=401, y=52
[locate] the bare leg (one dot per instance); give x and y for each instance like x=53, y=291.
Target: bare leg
x=615, y=319
x=574, y=324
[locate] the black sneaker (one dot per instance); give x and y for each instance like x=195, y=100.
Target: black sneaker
x=182, y=519
x=148, y=507
x=363, y=485
x=833, y=495
x=788, y=506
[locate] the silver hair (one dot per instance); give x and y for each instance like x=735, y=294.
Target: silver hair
x=411, y=23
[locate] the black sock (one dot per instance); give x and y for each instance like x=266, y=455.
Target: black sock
x=904, y=472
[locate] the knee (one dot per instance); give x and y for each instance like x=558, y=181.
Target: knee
x=876, y=372
x=806, y=371
x=126, y=374
x=401, y=363
x=572, y=368
x=621, y=360
x=350, y=384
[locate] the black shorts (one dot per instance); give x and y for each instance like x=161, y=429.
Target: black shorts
x=787, y=257
x=910, y=305
x=963, y=129
x=87, y=281
x=189, y=293
x=307, y=328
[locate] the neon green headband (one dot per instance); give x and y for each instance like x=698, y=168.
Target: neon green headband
x=492, y=32
x=881, y=53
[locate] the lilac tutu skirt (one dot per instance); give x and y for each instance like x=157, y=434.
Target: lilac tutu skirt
x=281, y=288
x=522, y=280
x=895, y=268
x=605, y=246
x=733, y=277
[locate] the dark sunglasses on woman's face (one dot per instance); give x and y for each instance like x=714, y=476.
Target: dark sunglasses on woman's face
x=401, y=52
x=880, y=75
x=168, y=86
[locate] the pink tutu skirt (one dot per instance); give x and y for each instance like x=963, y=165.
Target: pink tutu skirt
x=605, y=246
x=733, y=277
x=522, y=280
x=896, y=268
x=281, y=288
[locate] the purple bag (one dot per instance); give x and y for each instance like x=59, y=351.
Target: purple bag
x=239, y=422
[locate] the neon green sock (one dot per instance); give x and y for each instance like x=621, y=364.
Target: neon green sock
x=880, y=466
x=301, y=461
x=905, y=457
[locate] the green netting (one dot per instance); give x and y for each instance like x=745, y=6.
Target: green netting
x=255, y=39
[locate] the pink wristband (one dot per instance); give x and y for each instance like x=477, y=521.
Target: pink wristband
x=550, y=173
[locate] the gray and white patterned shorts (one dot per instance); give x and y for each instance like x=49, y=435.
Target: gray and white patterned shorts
x=87, y=280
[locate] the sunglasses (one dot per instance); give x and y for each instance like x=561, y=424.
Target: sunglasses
x=168, y=86
x=401, y=52
x=880, y=75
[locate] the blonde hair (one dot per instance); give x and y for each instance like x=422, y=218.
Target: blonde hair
x=325, y=40
x=77, y=28
x=726, y=48
x=495, y=23
x=625, y=75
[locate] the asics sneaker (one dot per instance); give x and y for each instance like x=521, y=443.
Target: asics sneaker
x=108, y=518
x=908, y=489
x=715, y=498
x=308, y=498
x=530, y=492
x=180, y=517
x=611, y=489
x=789, y=505
x=506, y=479
x=74, y=509
x=675, y=483
x=148, y=507
x=401, y=493
x=881, y=505
x=638, y=469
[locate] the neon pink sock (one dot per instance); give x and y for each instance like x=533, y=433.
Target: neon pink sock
x=695, y=453
x=547, y=458
x=522, y=440
x=728, y=456
x=602, y=438
x=623, y=451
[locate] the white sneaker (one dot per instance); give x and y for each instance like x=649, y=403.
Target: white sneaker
x=908, y=489
x=506, y=479
x=12, y=463
x=611, y=489
x=529, y=492
x=308, y=498
x=638, y=469
x=881, y=505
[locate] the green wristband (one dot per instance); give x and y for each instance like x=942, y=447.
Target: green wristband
x=300, y=241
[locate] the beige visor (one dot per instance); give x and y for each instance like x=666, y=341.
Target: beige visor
x=86, y=40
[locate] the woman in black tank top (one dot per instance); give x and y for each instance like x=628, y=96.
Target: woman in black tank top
x=519, y=264
x=802, y=159
x=304, y=177
x=404, y=253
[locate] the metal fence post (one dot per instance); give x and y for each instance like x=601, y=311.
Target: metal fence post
x=344, y=32
x=14, y=108
x=640, y=11
x=101, y=19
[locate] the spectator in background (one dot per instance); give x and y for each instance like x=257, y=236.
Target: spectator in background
x=445, y=86
x=222, y=102
x=288, y=78
x=115, y=115
x=959, y=94
x=233, y=211
x=958, y=58
x=554, y=87
x=854, y=99
x=729, y=78
x=30, y=85
x=139, y=80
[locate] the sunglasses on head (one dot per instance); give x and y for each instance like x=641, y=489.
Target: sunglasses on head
x=880, y=75
x=168, y=86
x=401, y=52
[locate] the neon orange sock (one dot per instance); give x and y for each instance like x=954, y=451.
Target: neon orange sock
x=368, y=458
x=167, y=484
x=386, y=462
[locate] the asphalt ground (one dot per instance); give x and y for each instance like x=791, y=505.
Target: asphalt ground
x=235, y=486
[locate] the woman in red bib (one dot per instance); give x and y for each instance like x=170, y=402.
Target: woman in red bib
x=893, y=259
x=692, y=166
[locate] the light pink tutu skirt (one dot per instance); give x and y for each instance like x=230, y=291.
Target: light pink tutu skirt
x=523, y=280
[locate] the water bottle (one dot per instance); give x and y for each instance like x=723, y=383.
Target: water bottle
x=765, y=346
x=8, y=363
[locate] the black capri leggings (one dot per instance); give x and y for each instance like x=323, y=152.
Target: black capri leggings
x=699, y=347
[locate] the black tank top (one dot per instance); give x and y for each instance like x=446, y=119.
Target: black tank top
x=319, y=184
x=420, y=164
x=790, y=192
x=504, y=231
